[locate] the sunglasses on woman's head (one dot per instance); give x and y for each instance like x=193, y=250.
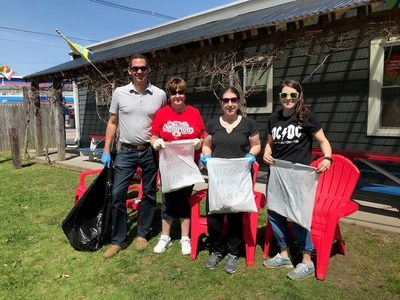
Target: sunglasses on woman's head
x=173, y=93
x=233, y=100
x=293, y=95
x=141, y=68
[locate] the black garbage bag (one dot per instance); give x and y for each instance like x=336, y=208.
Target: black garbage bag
x=88, y=224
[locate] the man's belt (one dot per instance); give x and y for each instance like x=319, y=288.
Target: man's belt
x=136, y=147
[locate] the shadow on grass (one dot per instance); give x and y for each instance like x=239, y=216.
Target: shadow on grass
x=29, y=164
x=295, y=252
x=23, y=164
x=5, y=160
x=155, y=229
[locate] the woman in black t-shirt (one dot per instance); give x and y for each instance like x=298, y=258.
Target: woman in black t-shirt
x=290, y=135
x=229, y=136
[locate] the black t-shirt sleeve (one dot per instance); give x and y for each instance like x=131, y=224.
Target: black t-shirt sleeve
x=252, y=126
x=312, y=124
x=210, y=127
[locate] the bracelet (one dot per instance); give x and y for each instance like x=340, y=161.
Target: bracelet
x=329, y=159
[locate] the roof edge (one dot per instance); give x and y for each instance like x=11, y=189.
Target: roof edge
x=207, y=16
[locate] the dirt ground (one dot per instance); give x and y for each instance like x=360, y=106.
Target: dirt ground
x=372, y=263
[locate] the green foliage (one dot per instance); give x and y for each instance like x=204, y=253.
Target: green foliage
x=37, y=261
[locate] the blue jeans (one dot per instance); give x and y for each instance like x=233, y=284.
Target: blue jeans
x=280, y=229
x=125, y=166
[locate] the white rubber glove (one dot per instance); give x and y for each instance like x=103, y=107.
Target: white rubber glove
x=159, y=144
x=197, y=144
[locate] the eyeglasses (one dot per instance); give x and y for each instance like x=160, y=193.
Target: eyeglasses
x=173, y=93
x=293, y=96
x=141, y=68
x=233, y=100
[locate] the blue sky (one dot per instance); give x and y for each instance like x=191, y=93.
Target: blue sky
x=83, y=21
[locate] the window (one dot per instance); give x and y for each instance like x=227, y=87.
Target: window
x=258, y=80
x=384, y=92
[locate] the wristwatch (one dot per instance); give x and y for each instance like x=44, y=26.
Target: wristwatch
x=329, y=158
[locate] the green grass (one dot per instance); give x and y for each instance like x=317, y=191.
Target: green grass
x=37, y=261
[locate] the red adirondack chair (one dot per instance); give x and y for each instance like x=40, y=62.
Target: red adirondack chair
x=332, y=202
x=82, y=186
x=198, y=222
x=132, y=203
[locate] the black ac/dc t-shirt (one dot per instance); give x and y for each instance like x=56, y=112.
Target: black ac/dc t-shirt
x=292, y=142
x=234, y=144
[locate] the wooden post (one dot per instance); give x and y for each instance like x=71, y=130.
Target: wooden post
x=59, y=120
x=38, y=119
x=15, y=150
x=27, y=105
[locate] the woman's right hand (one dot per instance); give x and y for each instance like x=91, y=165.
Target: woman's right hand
x=159, y=144
x=204, y=159
x=268, y=159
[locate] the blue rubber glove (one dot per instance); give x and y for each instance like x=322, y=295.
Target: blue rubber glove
x=250, y=157
x=204, y=158
x=106, y=159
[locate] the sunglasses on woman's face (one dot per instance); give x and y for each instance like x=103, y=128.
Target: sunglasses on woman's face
x=233, y=100
x=293, y=96
x=173, y=93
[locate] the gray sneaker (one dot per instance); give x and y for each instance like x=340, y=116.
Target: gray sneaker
x=232, y=263
x=213, y=260
x=278, y=261
x=302, y=271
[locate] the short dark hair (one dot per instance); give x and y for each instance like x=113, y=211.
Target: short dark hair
x=138, y=56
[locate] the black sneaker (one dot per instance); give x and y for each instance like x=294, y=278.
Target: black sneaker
x=232, y=263
x=213, y=260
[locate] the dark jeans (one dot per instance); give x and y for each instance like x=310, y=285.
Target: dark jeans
x=125, y=166
x=215, y=223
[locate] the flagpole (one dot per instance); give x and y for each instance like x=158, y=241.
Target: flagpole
x=100, y=73
x=2, y=81
x=88, y=60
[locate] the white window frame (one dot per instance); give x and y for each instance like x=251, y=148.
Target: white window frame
x=269, y=101
x=376, y=67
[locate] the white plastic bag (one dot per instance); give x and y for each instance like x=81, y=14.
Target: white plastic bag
x=177, y=168
x=230, y=187
x=291, y=191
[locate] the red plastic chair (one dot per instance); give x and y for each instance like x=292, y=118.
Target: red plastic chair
x=332, y=202
x=132, y=203
x=82, y=187
x=198, y=223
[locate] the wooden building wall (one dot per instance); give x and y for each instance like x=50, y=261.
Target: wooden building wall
x=92, y=117
x=337, y=91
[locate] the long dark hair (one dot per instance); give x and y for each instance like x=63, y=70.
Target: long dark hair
x=234, y=90
x=302, y=109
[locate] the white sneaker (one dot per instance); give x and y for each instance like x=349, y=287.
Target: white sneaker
x=186, y=247
x=163, y=243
